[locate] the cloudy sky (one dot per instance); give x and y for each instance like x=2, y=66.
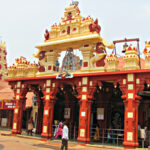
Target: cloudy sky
x=23, y=22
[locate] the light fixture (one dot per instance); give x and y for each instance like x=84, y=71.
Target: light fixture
x=124, y=47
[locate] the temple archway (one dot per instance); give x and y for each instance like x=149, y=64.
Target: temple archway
x=107, y=112
x=35, y=111
x=66, y=108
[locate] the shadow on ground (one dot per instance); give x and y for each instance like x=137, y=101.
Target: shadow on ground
x=47, y=146
x=1, y=147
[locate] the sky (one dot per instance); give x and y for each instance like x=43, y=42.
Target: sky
x=23, y=22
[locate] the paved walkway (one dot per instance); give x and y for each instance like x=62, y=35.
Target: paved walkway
x=22, y=142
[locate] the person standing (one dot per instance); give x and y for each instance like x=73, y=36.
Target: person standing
x=30, y=126
x=146, y=137
x=65, y=137
x=96, y=135
x=59, y=130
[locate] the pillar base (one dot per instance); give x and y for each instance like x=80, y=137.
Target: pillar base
x=87, y=140
x=15, y=132
x=130, y=145
x=43, y=139
x=50, y=136
x=44, y=135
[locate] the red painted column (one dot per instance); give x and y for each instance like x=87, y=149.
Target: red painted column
x=86, y=90
x=49, y=99
x=18, y=111
x=40, y=114
x=89, y=103
x=130, y=87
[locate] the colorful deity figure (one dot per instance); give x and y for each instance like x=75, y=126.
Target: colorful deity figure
x=57, y=65
x=71, y=62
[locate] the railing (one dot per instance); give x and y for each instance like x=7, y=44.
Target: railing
x=107, y=136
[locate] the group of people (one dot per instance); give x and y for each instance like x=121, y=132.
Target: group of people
x=110, y=135
x=143, y=136
x=62, y=131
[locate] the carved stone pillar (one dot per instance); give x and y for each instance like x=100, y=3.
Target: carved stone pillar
x=52, y=56
x=40, y=113
x=86, y=90
x=49, y=91
x=130, y=87
x=20, y=92
x=87, y=52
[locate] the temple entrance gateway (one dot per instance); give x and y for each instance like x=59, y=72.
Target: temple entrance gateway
x=66, y=108
x=107, y=114
x=65, y=93
x=34, y=112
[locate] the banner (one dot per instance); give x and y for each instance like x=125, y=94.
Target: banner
x=7, y=104
x=67, y=113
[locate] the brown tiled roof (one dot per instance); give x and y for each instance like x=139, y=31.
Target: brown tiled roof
x=5, y=91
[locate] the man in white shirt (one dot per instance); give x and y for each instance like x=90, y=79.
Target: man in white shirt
x=65, y=137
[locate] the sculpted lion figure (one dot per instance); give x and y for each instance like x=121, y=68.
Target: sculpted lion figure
x=95, y=27
x=99, y=57
x=96, y=58
x=46, y=35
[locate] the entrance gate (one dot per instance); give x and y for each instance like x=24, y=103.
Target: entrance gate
x=77, y=32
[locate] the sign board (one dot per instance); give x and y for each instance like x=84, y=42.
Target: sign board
x=7, y=104
x=142, y=133
x=100, y=113
x=67, y=113
x=129, y=136
x=83, y=114
x=100, y=117
x=4, y=122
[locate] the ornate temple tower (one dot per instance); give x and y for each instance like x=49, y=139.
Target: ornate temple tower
x=3, y=61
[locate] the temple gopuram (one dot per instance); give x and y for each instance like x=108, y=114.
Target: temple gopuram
x=85, y=93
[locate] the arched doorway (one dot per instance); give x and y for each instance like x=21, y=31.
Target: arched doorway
x=66, y=108
x=107, y=113
x=34, y=109
x=144, y=117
